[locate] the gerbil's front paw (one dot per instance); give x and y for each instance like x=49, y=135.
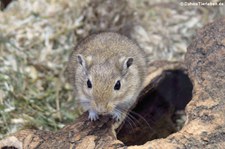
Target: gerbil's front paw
x=93, y=116
x=117, y=115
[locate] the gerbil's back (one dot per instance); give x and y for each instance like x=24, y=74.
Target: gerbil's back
x=109, y=45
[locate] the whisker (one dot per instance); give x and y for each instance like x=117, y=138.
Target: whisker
x=140, y=116
x=129, y=120
x=129, y=112
x=132, y=117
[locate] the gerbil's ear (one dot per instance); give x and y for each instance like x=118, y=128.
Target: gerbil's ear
x=84, y=62
x=126, y=63
x=80, y=59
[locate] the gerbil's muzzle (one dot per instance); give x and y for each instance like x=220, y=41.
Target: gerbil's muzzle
x=104, y=110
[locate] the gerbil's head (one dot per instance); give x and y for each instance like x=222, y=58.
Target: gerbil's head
x=105, y=86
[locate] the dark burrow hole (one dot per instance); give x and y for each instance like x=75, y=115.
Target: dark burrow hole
x=160, y=109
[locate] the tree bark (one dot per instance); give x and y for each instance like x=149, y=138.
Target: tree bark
x=205, y=124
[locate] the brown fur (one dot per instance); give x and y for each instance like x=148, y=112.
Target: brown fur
x=104, y=55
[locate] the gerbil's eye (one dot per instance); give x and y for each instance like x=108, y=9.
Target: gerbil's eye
x=117, y=85
x=89, y=85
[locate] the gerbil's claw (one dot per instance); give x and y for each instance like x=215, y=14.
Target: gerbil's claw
x=93, y=116
x=117, y=115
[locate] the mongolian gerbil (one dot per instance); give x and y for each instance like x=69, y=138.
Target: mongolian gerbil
x=107, y=71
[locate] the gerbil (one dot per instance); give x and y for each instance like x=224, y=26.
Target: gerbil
x=107, y=71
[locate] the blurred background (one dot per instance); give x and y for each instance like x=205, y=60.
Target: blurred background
x=37, y=37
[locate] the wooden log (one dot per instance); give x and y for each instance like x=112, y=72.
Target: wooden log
x=205, y=125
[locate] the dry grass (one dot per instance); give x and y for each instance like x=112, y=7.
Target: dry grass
x=36, y=39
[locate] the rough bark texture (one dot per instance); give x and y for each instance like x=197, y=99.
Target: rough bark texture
x=205, y=60
x=205, y=125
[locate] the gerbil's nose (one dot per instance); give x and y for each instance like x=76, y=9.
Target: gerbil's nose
x=102, y=110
